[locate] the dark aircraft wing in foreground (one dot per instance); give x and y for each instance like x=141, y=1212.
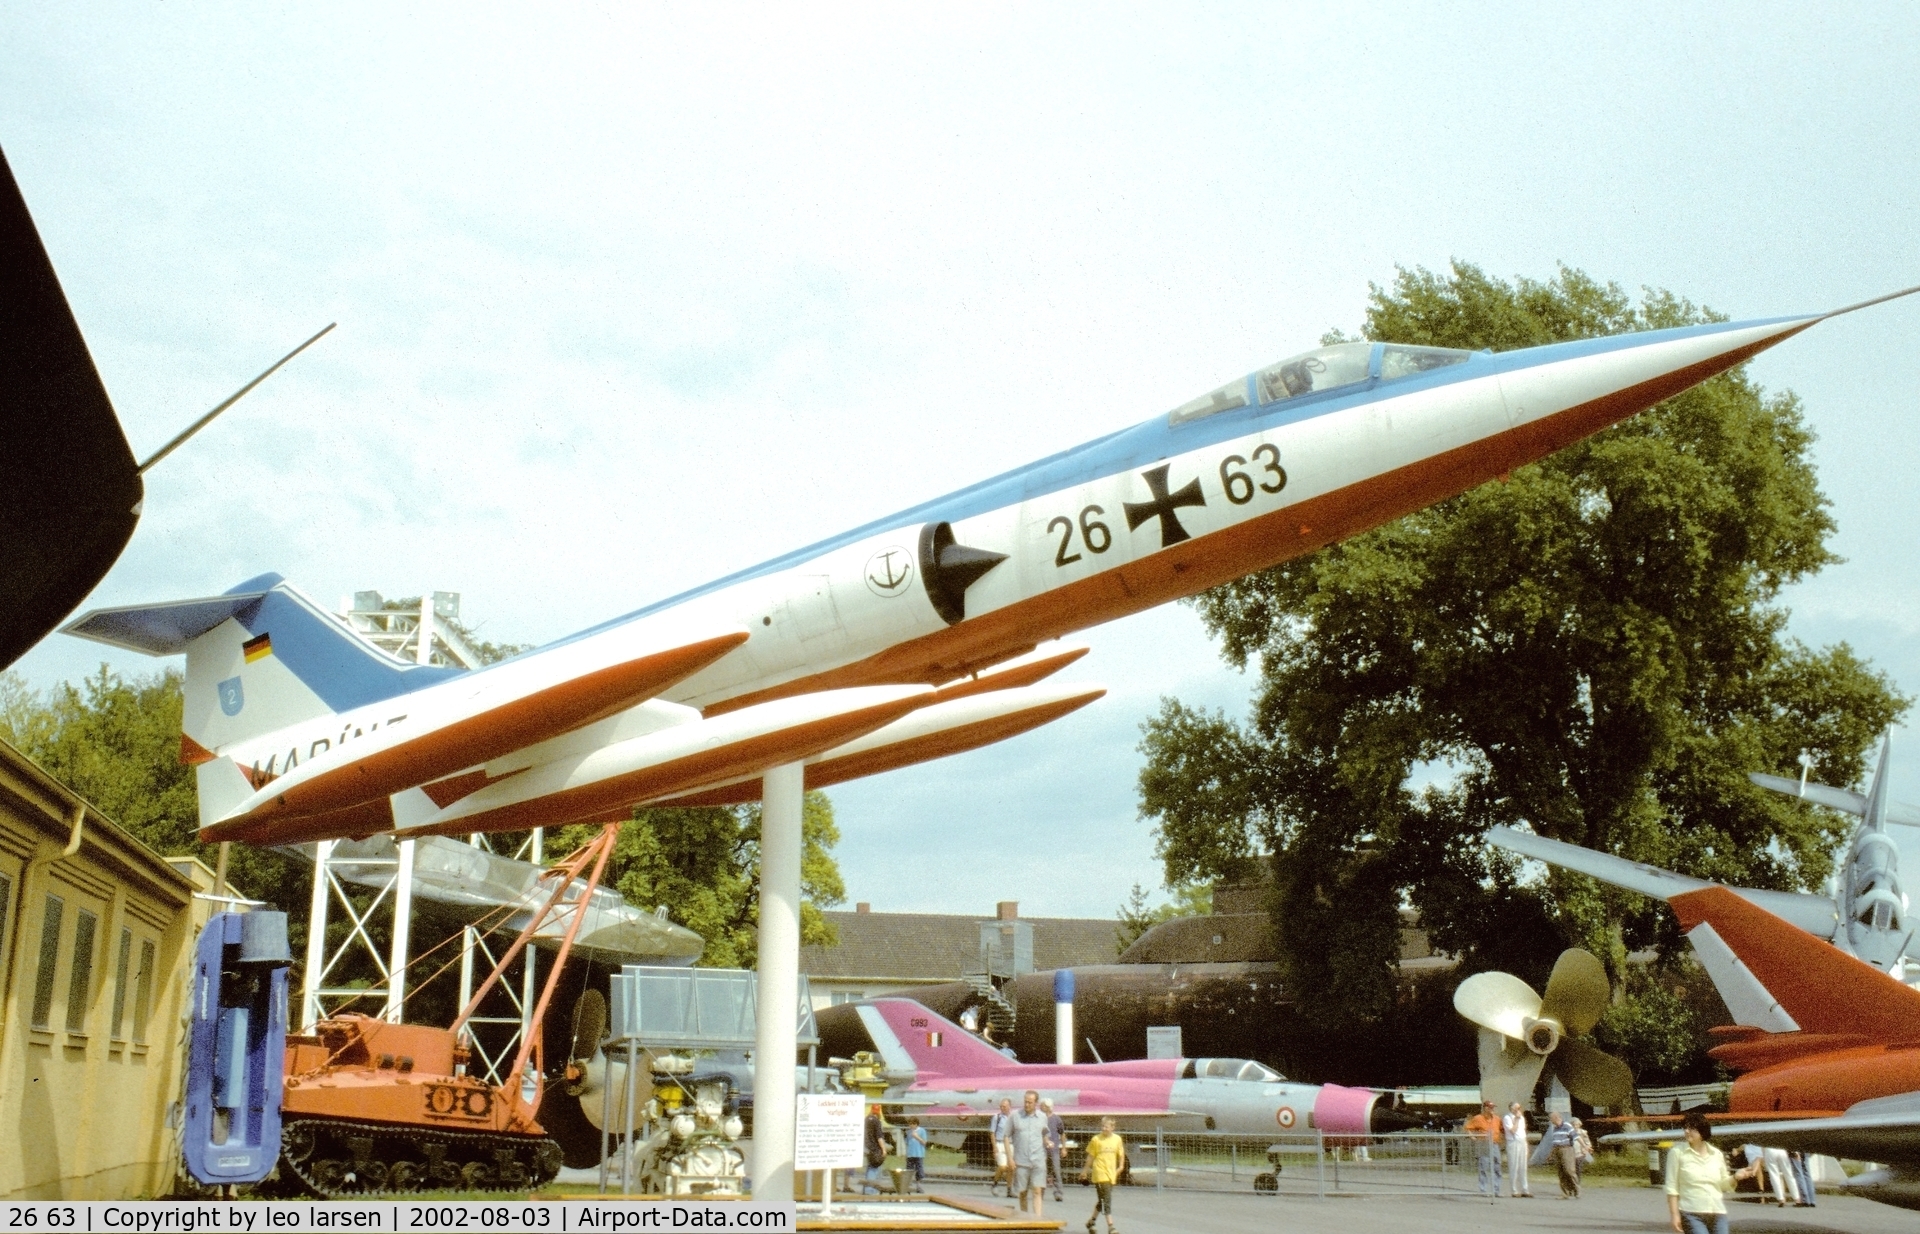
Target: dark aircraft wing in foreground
x=70, y=490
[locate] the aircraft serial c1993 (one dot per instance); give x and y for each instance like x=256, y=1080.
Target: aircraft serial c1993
x=908, y=638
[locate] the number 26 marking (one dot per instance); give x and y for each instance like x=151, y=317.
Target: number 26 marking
x=1096, y=535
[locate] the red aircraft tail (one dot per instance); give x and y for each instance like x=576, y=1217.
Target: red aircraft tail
x=1822, y=988
x=932, y=1044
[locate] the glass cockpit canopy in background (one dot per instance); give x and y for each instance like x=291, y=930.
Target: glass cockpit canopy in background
x=1313, y=372
x=1229, y=1069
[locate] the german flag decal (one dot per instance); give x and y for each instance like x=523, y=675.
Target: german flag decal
x=257, y=648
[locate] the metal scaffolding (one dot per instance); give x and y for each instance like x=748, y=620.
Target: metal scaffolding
x=496, y=1048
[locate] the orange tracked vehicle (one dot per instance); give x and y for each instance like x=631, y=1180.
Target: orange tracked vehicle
x=371, y=1108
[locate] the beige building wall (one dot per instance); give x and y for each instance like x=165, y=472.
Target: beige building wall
x=96, y=947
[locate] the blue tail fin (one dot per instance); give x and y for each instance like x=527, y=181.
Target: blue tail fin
x=259, y=658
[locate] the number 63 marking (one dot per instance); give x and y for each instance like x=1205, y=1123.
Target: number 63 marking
x=1239, y=484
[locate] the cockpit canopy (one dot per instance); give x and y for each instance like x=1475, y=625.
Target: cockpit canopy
x=1323, y=368
x=1229, y=1069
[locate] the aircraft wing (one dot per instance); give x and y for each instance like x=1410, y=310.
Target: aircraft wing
x=1845, y=800
x=1813, y=913
x=1886, y=1129
x=70, y=491
x=948, y=1117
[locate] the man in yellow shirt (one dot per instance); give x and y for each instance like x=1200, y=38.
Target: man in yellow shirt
x=1106, y=1161
x=1698, y=1180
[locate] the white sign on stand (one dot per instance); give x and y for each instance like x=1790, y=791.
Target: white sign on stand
x=1163, y=1041
x=829, y=1131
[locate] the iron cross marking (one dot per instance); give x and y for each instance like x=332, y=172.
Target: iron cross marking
x=1163, y=506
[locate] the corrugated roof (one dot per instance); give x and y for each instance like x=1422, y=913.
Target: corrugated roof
x=942, y=946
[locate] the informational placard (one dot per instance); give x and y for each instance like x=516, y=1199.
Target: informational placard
x=829, y=1131
x=1163, y=1041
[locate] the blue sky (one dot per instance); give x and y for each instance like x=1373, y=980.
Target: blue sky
x=631, y=296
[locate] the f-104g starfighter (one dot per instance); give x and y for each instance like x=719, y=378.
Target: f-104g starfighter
x=907, y=638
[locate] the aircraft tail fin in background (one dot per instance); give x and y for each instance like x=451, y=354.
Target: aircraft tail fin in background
x=259, y=658
x=1795, y=980
x=908, y=1035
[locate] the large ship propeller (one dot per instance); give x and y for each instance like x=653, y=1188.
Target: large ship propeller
x=1521, y=1032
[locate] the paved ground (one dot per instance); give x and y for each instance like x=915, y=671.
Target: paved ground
x=1141, y=1210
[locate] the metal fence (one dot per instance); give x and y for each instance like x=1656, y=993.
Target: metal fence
x=1299, y=1164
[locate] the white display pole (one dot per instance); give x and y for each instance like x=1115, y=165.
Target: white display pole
x=310, y=978
x=1063, y=1016
x=396, y=1009
x=776, y=1014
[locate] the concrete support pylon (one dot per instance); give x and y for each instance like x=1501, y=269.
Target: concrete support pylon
x=776, y=1011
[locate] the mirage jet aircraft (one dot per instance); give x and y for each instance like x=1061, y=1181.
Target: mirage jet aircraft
x=951, y=1080
x=898, y=641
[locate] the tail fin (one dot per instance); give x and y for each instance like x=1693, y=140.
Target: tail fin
x=1763, y=967
x=907, y=1034
x=259, y=658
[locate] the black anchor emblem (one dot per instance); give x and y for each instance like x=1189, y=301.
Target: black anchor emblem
x=1163, y=506
x=888, y=570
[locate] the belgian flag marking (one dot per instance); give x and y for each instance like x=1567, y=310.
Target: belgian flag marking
x=257, y=648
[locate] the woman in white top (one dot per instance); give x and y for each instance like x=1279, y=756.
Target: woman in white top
x=1698, y=1180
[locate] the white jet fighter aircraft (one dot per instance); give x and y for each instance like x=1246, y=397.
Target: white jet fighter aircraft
x=898, y=641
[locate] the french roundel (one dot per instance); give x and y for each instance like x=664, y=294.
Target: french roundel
x=1284, y=1116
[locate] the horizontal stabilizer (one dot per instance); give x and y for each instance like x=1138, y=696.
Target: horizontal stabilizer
x=483, y=715
x=1845, y=800
x=166, y=628
x=1813, y=913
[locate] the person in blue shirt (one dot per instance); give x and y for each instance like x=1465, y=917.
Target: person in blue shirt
x=1561, y=1143
x=917, y=1153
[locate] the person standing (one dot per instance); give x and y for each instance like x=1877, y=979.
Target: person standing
x=916, y=1149
x=1803, y=1177
x=1029, y=1143
x=1697, y=1181
x=1002, y=1153
x=1562, y=1146
x=1582, y=1148
x=1513, y=1128
x=1056, y=1144
x=1484, y=1129
x=876, y=1148
x=1786, y=1188
x=1106, y=1161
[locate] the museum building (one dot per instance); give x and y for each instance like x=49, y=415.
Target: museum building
x=96, y=933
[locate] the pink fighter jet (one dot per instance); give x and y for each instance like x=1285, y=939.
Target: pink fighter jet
x=951, y=1079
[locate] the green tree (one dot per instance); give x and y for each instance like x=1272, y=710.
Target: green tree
x=1594, y=648
x=116, y=741
x=703, y=867
x=1136, y=917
